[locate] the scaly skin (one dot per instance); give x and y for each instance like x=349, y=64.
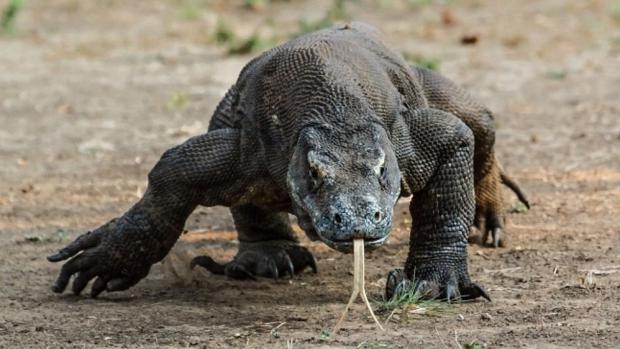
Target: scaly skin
x=444, y=95
x=332, y=127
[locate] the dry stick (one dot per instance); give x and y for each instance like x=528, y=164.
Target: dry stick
x=358, y=284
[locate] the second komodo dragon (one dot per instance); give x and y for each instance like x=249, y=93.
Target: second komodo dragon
x=332, y=127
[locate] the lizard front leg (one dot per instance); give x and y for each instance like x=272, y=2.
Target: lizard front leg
x=267, y=247
x=445, y=95
x=435, y=151
x=208, y=169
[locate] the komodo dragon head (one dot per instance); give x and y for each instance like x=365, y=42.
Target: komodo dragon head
x=344, y=183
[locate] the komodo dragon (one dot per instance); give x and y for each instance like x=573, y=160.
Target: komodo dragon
x=332, y=127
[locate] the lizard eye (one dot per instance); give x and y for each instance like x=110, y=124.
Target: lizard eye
x=314, y=174
x=383, y=180
x=315, y=179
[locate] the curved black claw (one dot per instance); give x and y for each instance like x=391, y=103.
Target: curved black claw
x=399, y=285
x=274, y=259
x=473, y=291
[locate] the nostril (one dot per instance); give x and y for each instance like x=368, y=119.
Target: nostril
x=337, y=218
x=377, y=216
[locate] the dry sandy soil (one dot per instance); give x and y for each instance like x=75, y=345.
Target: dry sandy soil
x=92, y=92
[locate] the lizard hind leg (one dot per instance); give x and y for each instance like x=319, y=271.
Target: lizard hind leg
x=490, y=219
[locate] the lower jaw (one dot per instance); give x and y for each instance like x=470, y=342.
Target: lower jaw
x=347, y=246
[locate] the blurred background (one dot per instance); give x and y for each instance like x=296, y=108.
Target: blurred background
x=92, y=92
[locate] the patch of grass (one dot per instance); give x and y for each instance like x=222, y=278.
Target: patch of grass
x=411, y=304
x=614, y=8
x=255, y=4
x=9, y=15
x=556, y=74
x=223, y=33
x=422, y=3
x=325, y=335
x=306, y=26
x=177, y=101
x=189, y=10
x=225, y=36
x=421, y=61
x=336, y=12
x=59, y=236
x=518, y=207
x=275, y=331
x=615, y=43
x=472, y=345
x=251, y=44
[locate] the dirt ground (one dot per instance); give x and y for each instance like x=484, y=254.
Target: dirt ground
x=92, y=92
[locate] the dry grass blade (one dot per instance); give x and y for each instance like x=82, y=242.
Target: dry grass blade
x=358, y=284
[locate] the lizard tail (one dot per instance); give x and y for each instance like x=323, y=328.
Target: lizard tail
x=514, y=186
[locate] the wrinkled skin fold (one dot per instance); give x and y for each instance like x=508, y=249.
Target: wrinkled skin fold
x=332, y=127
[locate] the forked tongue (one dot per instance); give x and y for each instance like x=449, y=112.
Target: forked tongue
x=358, y=284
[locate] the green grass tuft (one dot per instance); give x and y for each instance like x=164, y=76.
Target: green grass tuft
x=556, y=74
x=411, y=305
x=189, y=10
x=306, y=26
x=518, y=207
x=251, y=44
x=177, y=101
x=471, y=345
x=421, y=61
x=325, y=335
x=336, y=12
x=422, y=3
x=59, y=236
x=223, y=33
x=9, y=15
x=255, y=4
x=225, y=36
x=614, y=8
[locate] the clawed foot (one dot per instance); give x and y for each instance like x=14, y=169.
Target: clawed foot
x=497, y=237
x=274, y=258
x=492, y=226
x=448, y=288
x=108, y=255
x=496, y=234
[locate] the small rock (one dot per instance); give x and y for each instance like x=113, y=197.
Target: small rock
x=447, y=17
x=470, y=39
x=460, y=317
x=486, y=316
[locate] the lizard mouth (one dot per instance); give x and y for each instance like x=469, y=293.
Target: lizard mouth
x=346, y=246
